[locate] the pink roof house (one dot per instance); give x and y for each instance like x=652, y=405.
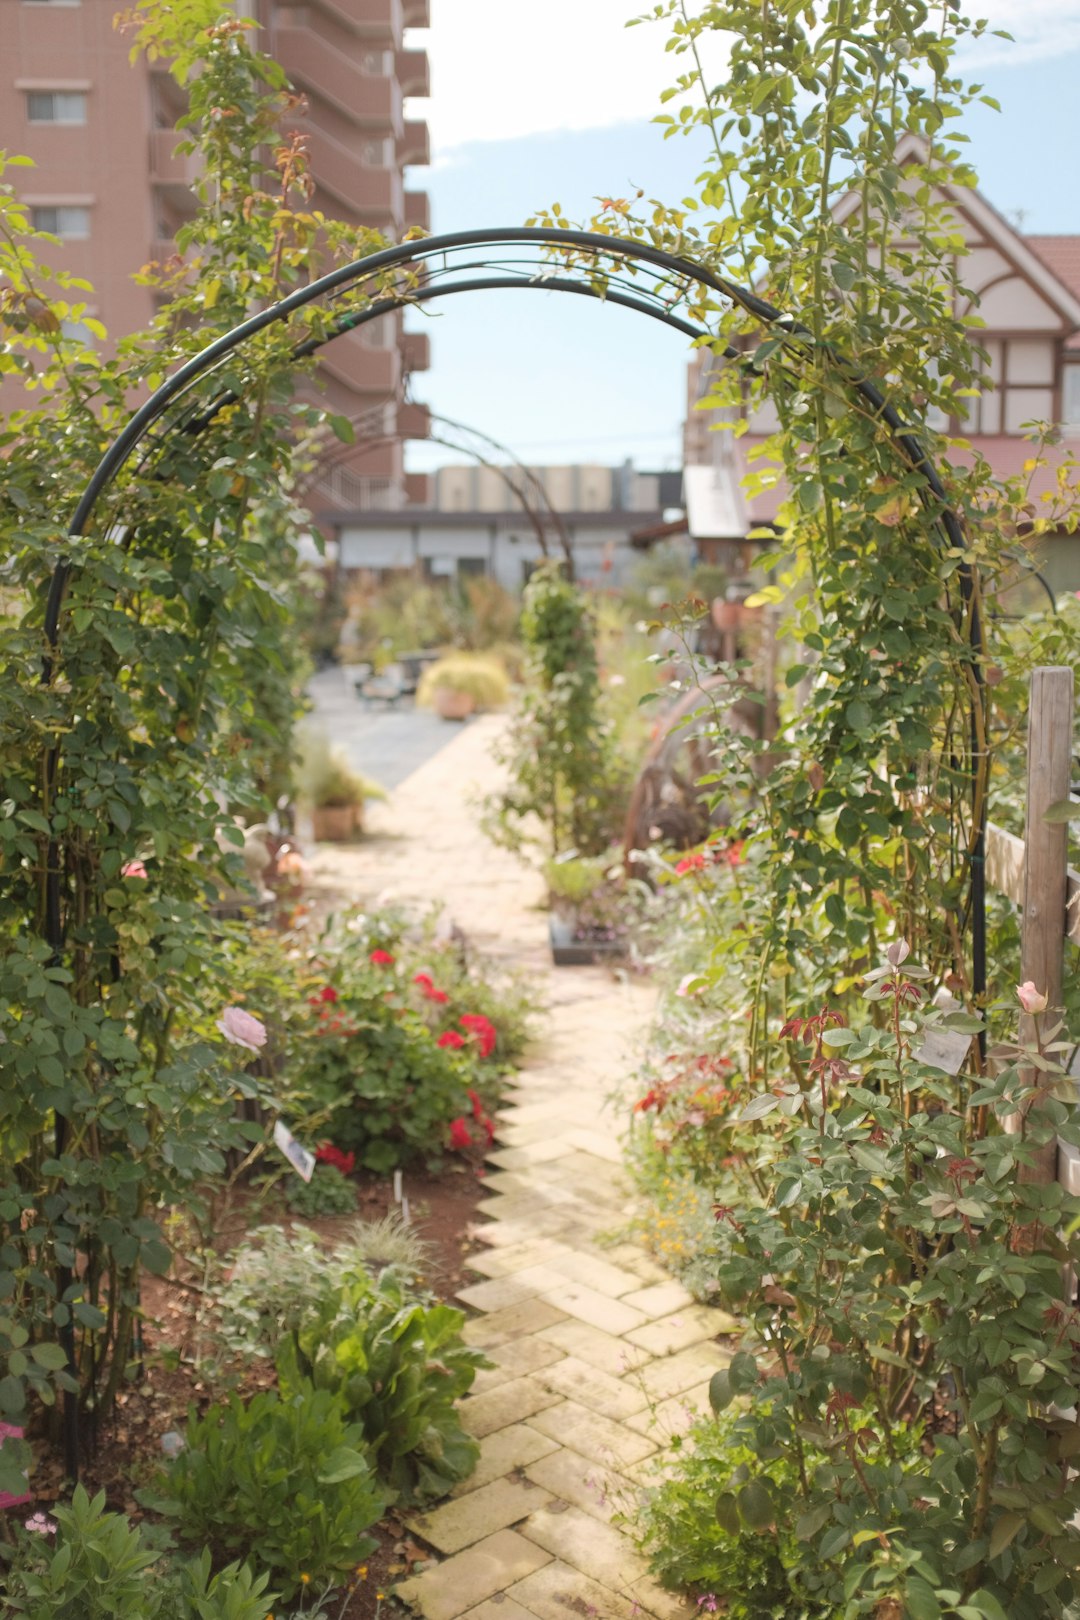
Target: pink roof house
x=1028, y=296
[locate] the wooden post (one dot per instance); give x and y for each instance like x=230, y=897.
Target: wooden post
x=1046, y=857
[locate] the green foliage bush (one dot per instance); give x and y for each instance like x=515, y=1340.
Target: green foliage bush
x=100, y=1567
x=399, y=1366
x=286, y=1480
x=478, y=675
x=564, y=772
x=374, y=1069
x=327, y=1193
x=678, y=1529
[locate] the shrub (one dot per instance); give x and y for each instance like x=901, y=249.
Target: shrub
x=100, y=1567
x=327, y=1193
x=376, y=1070
x=288, y=1480
x=399, y=1365
x=679, y=1531
x=481, y=677
x=324, y=776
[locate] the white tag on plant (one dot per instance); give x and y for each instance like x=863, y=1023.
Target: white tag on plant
x=301, y=1160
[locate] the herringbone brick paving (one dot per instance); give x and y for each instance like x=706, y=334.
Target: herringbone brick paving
x=598, y=1355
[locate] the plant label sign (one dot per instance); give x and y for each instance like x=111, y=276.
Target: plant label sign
x=301, y=1160
x=944, y=1049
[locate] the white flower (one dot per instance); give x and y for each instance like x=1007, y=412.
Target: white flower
x=1032, y=1000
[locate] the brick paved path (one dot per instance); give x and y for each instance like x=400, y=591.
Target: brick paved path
x=599, y=1355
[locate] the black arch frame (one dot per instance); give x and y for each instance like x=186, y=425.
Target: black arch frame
x=668, y=280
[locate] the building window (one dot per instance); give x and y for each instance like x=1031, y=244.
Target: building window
x=56, y=106
x=78, y=332
x=73, y=224
x=1070, y=394
x=379, y=63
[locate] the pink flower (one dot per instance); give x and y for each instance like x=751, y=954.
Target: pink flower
x=691, y=984
x=1032, y=1000
x=452, y=1040
x=133, y=869
x=690, y=863
x=242, y=1029
x=381, y=959
x=40, y=1525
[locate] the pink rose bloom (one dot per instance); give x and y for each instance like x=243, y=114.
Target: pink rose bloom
x=134, y=869
x=242, y=1029
x=1032, y=1000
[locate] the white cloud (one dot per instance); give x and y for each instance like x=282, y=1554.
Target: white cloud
x=502, y=69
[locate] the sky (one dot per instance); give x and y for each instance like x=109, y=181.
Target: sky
x=534, y=104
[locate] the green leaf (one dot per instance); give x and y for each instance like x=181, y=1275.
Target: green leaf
x=858, y=715
x=920, y=1601
x=844, y=276
x=756, y=1506
x=343, y=1463
x=1005, y=1529
x=50, y=1356
x=988, y=1603
x=727, y=1513
x=342, y=428
x=721, y=1393
x=1063, y=810
x=808, y=1526
x=757, y=1108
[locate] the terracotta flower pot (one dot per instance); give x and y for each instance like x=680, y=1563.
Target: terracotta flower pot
x=452, y=704
x=336, y=823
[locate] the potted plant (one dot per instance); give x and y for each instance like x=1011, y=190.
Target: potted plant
x=462, y=683
x=587, y=901
x=332, y=790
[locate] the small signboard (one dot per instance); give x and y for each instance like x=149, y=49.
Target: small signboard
x=301, y=1160
x=944, y=1049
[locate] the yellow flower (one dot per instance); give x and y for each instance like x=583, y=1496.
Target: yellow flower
x=361, y=1570
x=305, y=1580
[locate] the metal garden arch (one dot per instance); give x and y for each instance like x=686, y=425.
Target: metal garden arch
x=636, y=276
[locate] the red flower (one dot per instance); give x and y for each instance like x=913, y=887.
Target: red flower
x=732, y=856
x=424, y=980
x=451, y=1039
x=327, y=993
x=690, y=863
x=381, y=959
x=483, y=1030
x=477, y=1105
x=327, y=1153
x=651, y=1099
x=460, y=1135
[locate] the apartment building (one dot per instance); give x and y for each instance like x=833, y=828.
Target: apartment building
x=106, y=181
x=1027, y=294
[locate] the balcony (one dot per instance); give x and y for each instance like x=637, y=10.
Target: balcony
x=379, y=21
x=374, y=195
x=327, y=74
x=416, y=351
x=364, y=370
x=416, y=13
x=413, y=73
x=418, y=211
x=415, y=143
x=169, y=168
x=413, y=421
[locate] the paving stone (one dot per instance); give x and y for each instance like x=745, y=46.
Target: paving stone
x=600, y=1275
x=496, y=1294
x=661, y=1299
x=499, y=1607
x=560, y=1592
x=599, y=1310
x=516, y=1257
x=599, y=1349
x=600, y=1438
x=503, y=1234
x=597, y=1549
x=576, y=1380
x=485, y=1332
x=470, y=1518
x=504, y=1452
x=603, y=1147
x=535, y=1153
x=637, y=1260
x=465, y=1580
x=528, y=1355
x=672, y=1333
x=596, y=1490
x=674, y=1416
x=674, y=1375
x=511, y=1402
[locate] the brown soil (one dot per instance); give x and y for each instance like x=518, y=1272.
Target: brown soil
x=126, y=1452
